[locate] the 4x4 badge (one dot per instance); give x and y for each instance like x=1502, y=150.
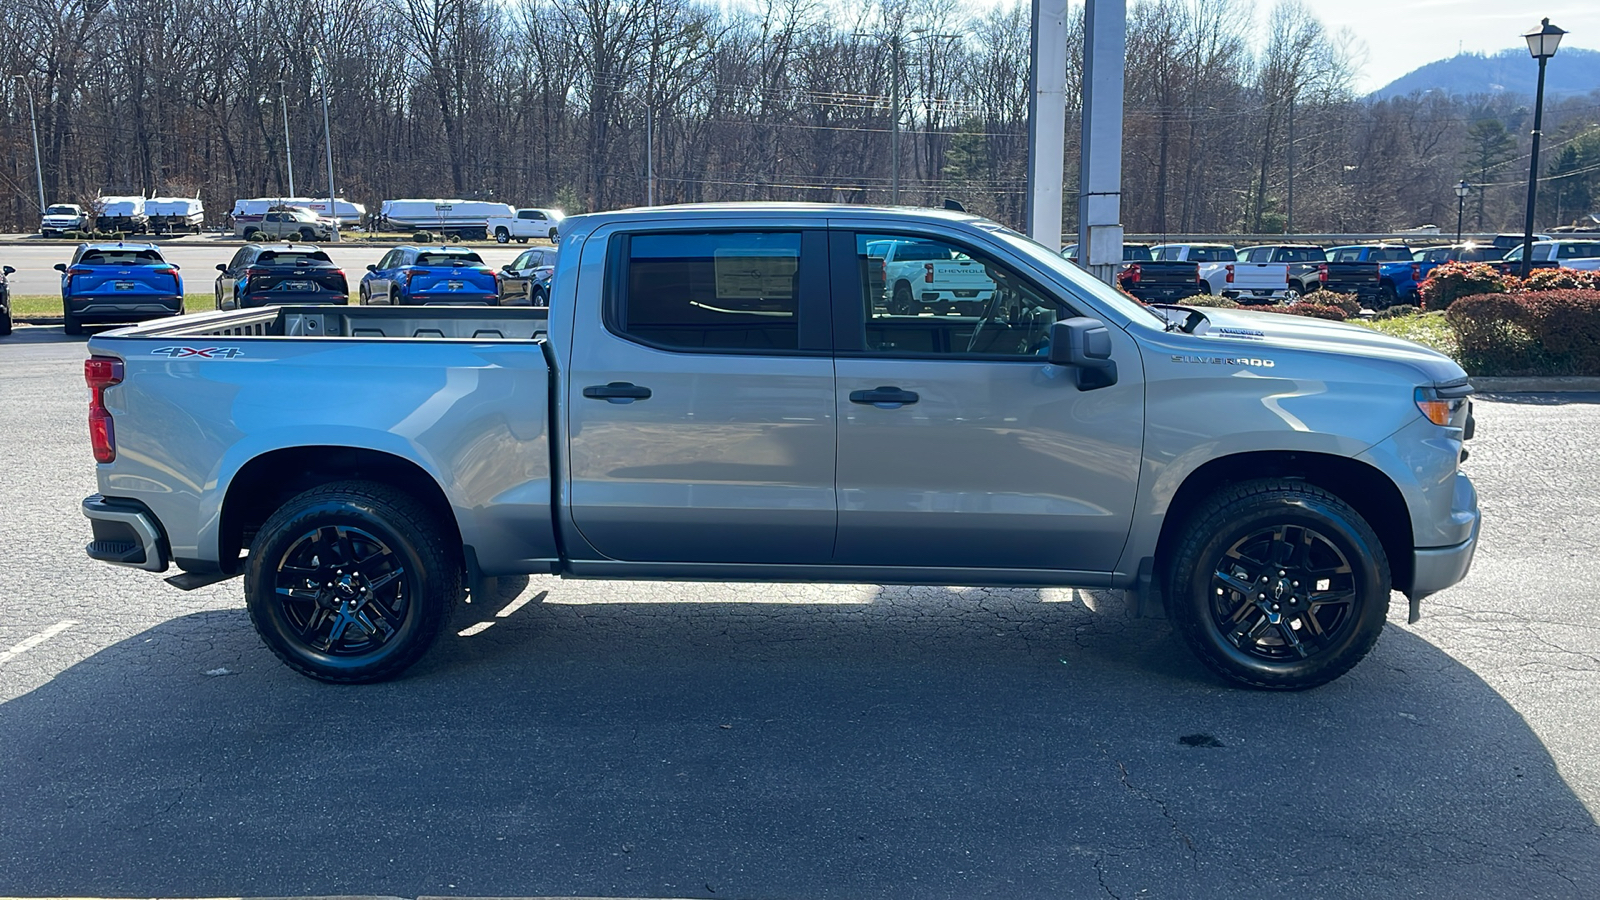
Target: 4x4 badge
x=201, y=352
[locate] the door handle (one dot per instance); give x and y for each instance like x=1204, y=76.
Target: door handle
x=885, y=397
x=617, y=392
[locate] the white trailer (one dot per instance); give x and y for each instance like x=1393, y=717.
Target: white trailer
x=464, y=218
x=171, y=215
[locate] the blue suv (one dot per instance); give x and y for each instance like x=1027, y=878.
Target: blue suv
x=424, y=275
x=118, y=282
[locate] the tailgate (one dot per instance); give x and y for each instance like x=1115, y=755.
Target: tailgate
x=473, y=279
x=133, y=281
x=961, y=274
x=1353, y=278
x=1260, y=276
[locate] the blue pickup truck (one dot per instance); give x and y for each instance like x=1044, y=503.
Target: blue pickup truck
x=118, y=282
x=1380, y=275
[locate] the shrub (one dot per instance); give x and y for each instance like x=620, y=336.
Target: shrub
x=72, y=235
x=423, y=237
x=1311, y=310
x=1492, y=332
x=1566, y=323
x=1452, y=281
x=1398, y=312
x=1347, y=302
x=1560, y=280
x=1210, y=300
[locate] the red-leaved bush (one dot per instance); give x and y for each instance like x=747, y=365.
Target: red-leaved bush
x=1314, y=310
x=1452, y=281
x=1528, y=332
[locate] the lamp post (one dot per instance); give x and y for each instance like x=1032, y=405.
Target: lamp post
x=33, y=120
x=1462, y=190
x=1542, y=43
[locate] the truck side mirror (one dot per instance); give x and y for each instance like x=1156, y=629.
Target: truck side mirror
x=1084, y=344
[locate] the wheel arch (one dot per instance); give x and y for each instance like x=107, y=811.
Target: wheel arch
x=266, y=482
x=1364, y=487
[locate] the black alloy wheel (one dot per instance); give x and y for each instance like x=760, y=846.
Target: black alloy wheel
x=351, y=582
x=1278, y=584
x=901, y=304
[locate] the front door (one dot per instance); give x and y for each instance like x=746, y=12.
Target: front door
x=960, y=446
x=700, y=398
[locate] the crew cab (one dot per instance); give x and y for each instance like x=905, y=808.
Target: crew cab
x=718, y=393
x=265, y=274
x=61, y=218
x=1225, y=275
x=1378, y=274
x=288, y=224
x=1468, y=251
x=526, y=279
x=118, y=282
x=526, y=223
x=1150, y=279
x=922, y=275
x=1306, y=265
x=423, y=275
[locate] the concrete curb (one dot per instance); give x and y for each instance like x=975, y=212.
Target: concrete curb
x=1536, y=385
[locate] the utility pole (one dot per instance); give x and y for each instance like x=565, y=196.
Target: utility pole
x=894, y=117
x=1100, y=178
x=1288, y=224
x=327, y=134
x=288, y=154
x=33, y=120
x=1047, y=121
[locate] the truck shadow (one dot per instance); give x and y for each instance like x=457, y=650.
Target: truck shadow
x=861, y=742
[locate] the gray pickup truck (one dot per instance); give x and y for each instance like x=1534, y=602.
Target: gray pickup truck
x=719, y=393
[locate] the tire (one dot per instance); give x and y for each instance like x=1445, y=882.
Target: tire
x=1387, y=296
x=522, y=240
x=5, y=322
x=1291, y=297
x=1226, y=549
x=70, y=323
x=502, y=236
x=901, y=303
x=555, y=235
x=538, y=297
x=307, y=235
x=351, y=582
x=361, y=295
x=394, y=297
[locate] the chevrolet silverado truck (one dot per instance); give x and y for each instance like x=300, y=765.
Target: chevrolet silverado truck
x=1150, y=279
x=1380, y=275
x=923, y=275
x=1306, y=264
x=1226, y=275
x=718, y=393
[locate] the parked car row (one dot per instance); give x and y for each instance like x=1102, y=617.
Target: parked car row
x=1380, y=274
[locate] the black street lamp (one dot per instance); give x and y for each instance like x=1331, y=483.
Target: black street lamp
x=1542, y=43
x=1462, y=190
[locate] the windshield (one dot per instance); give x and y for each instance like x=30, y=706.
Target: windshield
x=1045, y=258
x=61, y=211
x=1212, y=254
x=296, y=258
x=129, y=257
x=449, y=259
x=1301, y=254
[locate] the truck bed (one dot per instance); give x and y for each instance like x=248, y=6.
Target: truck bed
x=472, y=323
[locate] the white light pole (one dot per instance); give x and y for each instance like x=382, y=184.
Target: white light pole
x=1542, y=43
x=33, y=120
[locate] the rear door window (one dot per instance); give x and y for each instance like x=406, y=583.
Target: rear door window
x=709, y=291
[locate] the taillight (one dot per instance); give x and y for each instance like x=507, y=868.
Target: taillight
x=166, y=270
x=101, y=372
x=1416, y=271
x=1322, y=273
x=1134, y=272
x=254, y=272
x=410, y=274
x=927, y=272
x=1230, y=273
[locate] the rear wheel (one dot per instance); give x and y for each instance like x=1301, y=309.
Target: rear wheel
x=1278, y=584
x=394, y=297
x=251, y=235
x=351, y=582
x=1387, y=296
x=70, y=323
x=900, y=303
x=502, y=236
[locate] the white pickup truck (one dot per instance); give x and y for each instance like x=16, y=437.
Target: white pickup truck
x=923, y=276
x=1226, y=276
x=527, y=223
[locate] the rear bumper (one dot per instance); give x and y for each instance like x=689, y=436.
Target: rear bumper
x=138, y=306
x=126, y=533
x=293, y=298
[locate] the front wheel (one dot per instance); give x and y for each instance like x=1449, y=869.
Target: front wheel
x=1278, y=584
x=351, y=582
x=1387, y=296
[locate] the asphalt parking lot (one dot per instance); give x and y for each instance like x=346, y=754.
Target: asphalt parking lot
x=774, y=741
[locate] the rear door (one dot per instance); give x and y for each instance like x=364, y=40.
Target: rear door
x=700, y=397
x=960, y=446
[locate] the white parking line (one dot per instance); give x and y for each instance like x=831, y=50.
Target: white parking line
x=30, y=643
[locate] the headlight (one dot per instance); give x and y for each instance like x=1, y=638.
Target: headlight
x=1447, y=406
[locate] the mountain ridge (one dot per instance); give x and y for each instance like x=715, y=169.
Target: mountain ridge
x=1573, y=71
